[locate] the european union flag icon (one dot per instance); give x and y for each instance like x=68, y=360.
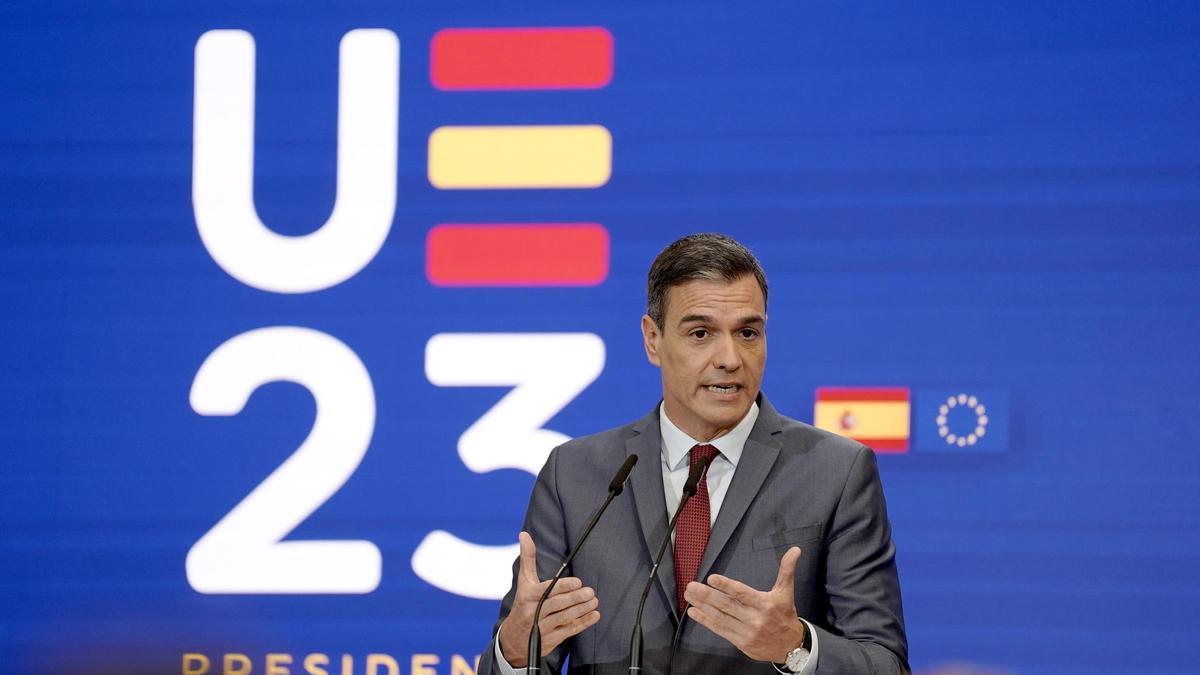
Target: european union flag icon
x=961, y=420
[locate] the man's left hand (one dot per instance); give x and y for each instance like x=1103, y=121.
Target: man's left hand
x=762, y=624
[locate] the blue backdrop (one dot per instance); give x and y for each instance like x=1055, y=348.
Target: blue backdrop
x=947, y=196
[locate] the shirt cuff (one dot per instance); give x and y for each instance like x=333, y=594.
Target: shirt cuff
x=502, y=663
x=809, y=666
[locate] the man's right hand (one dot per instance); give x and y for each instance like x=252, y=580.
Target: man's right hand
x=570, y=609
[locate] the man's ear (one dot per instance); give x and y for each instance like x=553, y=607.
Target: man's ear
x=650, y=339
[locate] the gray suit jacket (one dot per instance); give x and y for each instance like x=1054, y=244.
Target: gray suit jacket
x=794, y=486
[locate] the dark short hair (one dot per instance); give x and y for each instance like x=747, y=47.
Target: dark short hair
x=711, y=256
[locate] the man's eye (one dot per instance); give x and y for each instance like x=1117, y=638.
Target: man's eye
x=700, y=334
x=749, y=333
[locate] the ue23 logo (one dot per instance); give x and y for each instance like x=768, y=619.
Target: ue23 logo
x=245, y=551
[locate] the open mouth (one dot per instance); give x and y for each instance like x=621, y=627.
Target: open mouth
x=723, y=388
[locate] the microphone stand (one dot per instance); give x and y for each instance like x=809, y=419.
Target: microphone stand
x=675, y=640
x=535, y=633
x=689, y=491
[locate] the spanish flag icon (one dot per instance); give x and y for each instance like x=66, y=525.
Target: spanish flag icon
x=874, y=416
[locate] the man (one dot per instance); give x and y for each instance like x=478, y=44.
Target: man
x=782, y=562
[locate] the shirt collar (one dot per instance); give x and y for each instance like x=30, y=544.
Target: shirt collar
x=676, y=444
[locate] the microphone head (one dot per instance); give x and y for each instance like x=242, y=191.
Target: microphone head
x=618, y=481
x=694, y=476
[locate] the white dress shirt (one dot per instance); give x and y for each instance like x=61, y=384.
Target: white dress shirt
x=676, y=464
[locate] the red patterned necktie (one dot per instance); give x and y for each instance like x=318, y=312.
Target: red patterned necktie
x=691, y=532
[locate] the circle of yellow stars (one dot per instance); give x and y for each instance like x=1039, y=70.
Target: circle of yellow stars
x=981, y=420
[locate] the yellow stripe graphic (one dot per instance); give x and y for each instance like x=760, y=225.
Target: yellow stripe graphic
x=505, y=157
x=871, y=419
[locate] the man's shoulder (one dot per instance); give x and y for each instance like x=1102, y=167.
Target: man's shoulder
x=819, y=444
x=604, y=442
x=591, y=460
x=827, y=459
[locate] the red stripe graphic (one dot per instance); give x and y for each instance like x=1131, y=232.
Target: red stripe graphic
x=885, y=445
x=521, y=58
x=517, y=254
x=862, y=394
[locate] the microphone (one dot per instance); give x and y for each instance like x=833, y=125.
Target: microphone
x=689, y=491
x=615, y=487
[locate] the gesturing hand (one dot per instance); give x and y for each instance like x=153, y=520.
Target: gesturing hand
x=569, y=610
x=762, y=624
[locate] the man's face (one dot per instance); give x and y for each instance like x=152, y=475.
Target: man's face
x=711, y=348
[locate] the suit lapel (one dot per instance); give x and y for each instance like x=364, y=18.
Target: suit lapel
x=646, y=484
x=759, y=455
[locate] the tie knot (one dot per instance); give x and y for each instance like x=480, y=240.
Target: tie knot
x=701, y=452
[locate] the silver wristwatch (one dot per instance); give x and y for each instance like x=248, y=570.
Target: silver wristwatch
x=796, y=659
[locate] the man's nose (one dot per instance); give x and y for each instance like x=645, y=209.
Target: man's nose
x=727, y=356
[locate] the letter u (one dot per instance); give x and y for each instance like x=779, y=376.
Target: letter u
x=223, y=165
